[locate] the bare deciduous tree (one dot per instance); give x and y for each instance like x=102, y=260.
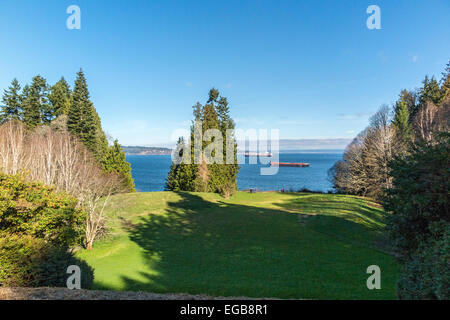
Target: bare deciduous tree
x=431, y=119
x=12, y=147
x=364, y=169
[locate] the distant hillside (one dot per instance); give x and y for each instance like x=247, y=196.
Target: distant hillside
x=135, y=150
x=303, y=144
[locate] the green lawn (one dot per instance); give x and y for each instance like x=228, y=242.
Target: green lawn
x=291, y=245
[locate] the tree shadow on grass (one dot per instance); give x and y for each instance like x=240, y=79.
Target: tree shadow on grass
x=223, y=249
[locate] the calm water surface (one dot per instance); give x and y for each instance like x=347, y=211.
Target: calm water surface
x=150, y=172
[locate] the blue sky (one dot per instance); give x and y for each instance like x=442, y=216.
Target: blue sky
x=309, y=68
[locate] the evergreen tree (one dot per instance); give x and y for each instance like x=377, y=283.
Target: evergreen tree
x=115, y=161
x=429, y=92
x=208, y=176
x=410, y=98
x=59, y=97
x=36, y=107
x=102, y=141
x=445, y=82
x=227, y=124
x=12, y=100
x=202, y=177
x=402, y=123
x=84, y=122
x=181, y=176
x=419, y=198
x=82, y=118
x=222, y=176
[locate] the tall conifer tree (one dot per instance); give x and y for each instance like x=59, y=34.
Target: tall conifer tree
x=82, y=120
x=402, y=123
x=12, y=100
x=213, y=177
x=59, y=97
x=430, y=92
x=36, y=107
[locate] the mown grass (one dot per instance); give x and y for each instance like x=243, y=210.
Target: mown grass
x=285, y=245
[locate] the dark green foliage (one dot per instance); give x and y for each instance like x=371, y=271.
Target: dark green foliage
x=402, y=124
x=212, y=177
x=420, y=221
x=35, y=105
x=410, y=98
x=82, y=119
x=12, y=100
x=60, y=96
x=426, y=275
x=181, y=175
x=419, y=196
x=429, y=92
x=102, y=145
x=30, y=208
x=37, y=226
x=52, y=270
x=181, y=178
x=32, y=262
x=115, y=161
x=84, y=122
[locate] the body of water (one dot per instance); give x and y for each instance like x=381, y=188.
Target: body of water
x=150, y=172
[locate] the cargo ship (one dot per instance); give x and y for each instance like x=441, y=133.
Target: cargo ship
x=289, y=164
x=258, y=154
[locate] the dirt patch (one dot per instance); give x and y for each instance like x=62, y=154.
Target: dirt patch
x=66, y=294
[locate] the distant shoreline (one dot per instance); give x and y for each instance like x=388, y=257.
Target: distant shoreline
x=243, y=153
x=146, y=151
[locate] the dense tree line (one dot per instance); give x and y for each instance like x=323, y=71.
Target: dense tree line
x=416, y=116
x=402, y=159
x=207, y=176
x=39, y=104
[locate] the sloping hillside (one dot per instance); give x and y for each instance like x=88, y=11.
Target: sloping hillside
x=291, y=245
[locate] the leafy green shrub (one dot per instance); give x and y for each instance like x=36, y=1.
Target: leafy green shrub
x=26, y=261
x=227, y=190
x=427, y=274
x=18, y=258
x=30, y=208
